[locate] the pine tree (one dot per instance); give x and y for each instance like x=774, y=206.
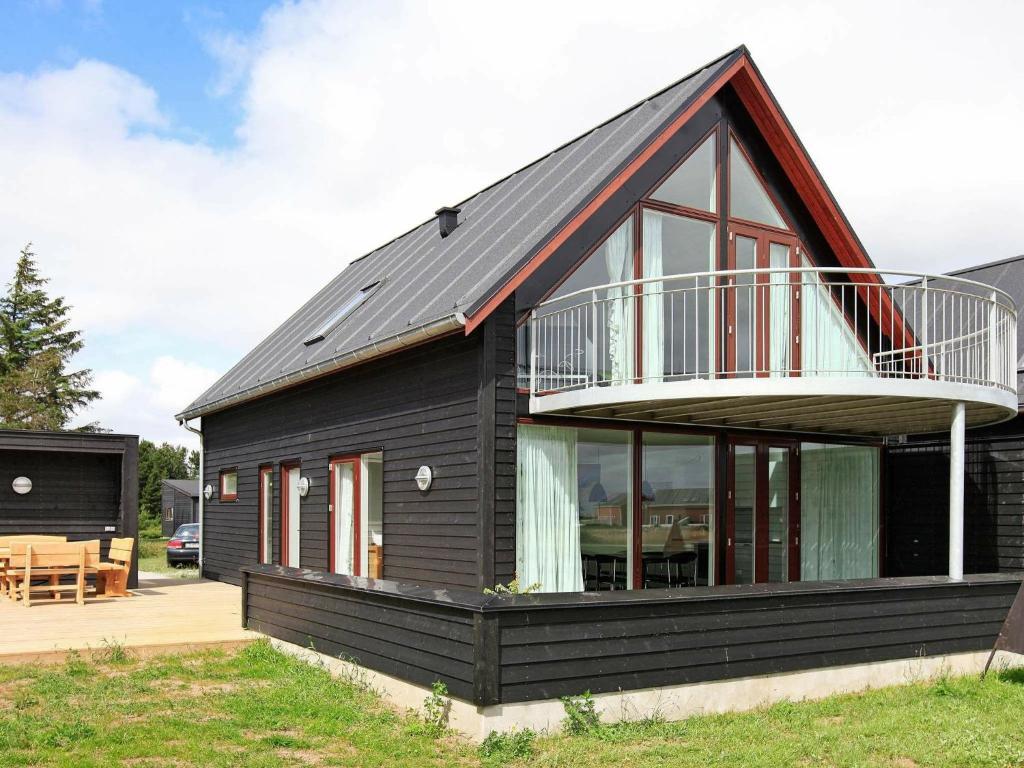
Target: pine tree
x=37, y=391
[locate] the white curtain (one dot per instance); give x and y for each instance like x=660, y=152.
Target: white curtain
x=829, y=345
x=344, y=511
x=838, y=512
x=781, y=331
x=618, y=255
x=654, y=300
x=547, y=510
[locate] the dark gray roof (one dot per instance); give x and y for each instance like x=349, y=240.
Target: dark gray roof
x=1008, y=276
x=430, y=282
x=187, y=487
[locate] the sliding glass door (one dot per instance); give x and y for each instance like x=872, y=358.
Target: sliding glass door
x=762, y=512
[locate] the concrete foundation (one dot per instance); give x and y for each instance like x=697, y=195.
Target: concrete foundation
x=674, y=702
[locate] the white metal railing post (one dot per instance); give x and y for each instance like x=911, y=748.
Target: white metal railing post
x=924, y=327
x=956, y=493
x=593, y=330
x=533, y=354
x=994, y=342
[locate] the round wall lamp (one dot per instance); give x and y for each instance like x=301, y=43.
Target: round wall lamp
x=424, y=477
x=21, y=485
x=208, y=492
x=303, y=486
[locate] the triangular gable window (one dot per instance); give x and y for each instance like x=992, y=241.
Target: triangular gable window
x=693, y=184
x=747, y=198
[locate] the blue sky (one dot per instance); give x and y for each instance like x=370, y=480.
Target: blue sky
x=191, y=172
x=164, y=43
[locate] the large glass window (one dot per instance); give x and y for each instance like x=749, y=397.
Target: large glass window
x=579, y=340
x=747, y=198
x=677, y=510
x=693, y=184
x=574, y=508
x=838, y=512
x=678, y=326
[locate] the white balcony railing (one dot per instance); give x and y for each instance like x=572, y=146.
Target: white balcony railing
x=779, y=322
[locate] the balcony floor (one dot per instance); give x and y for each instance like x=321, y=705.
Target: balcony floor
x=873, y=407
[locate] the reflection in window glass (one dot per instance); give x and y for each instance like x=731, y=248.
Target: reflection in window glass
x=693, y=183
x=578, y=340
x=744, y=519
x=677, y=510
x=573, y=508
x=747, y=198
x=678, y=326
x=604, y=479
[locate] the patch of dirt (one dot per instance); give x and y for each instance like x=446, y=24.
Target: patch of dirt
x=903, y=762
x=834, y=720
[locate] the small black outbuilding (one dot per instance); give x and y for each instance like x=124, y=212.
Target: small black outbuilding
x=77, y=484
x=179, y=504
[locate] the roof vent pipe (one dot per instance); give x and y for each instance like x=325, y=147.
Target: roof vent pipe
x=447, y=219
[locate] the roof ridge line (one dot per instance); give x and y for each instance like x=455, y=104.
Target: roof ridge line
x=738, y=49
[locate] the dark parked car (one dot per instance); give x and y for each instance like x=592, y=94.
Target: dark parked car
x=184, y=545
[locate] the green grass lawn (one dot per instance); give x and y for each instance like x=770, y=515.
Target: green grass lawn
x=259, y=708
x=153, y=559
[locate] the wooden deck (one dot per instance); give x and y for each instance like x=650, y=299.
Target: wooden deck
x=163, y=616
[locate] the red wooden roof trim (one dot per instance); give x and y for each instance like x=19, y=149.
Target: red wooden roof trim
x=786, y=147
x=601, y=198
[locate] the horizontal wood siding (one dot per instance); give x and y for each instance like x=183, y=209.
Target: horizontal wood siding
x=492, y=650
x=604, y=648
x=917, y=504
x=82, y=485
x=184, y=510
x=417, y=641
x=419, y=407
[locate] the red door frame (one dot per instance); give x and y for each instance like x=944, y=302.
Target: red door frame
x=356, y=461
x=286, y=512
x=761, y=541
x=763, y=238
x=262, y=515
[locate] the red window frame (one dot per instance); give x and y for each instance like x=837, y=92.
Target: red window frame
x=221, y=494
x=356, y=460
x=285, y=511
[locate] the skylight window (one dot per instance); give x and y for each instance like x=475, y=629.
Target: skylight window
x=342, y=312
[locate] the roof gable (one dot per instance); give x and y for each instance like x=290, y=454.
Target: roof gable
x=427, y=279
x=432, y=285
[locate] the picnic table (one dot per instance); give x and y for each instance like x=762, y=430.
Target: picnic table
x=27, y=559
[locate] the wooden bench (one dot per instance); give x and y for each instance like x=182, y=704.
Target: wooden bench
x=112, y=577
x=5, y=551
x=50, y=561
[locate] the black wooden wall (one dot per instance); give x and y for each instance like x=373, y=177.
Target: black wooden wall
x=492, y=650
x=917, y=504
x=419, y=407
x=184, y=509
x=84, y=486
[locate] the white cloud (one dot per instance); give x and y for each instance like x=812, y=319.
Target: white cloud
x=145, y=404
x=359, y=120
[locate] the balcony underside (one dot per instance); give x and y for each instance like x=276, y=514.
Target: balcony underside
x=867, y=406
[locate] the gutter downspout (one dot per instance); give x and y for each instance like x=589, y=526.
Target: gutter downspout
x=202, y=495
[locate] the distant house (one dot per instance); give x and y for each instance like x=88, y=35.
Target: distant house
x=179, y=504
x=654, y=372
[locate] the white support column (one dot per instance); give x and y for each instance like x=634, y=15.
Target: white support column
x=956, y=493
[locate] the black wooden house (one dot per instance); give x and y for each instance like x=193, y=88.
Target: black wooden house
x=653, y=373
x=179, y=504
